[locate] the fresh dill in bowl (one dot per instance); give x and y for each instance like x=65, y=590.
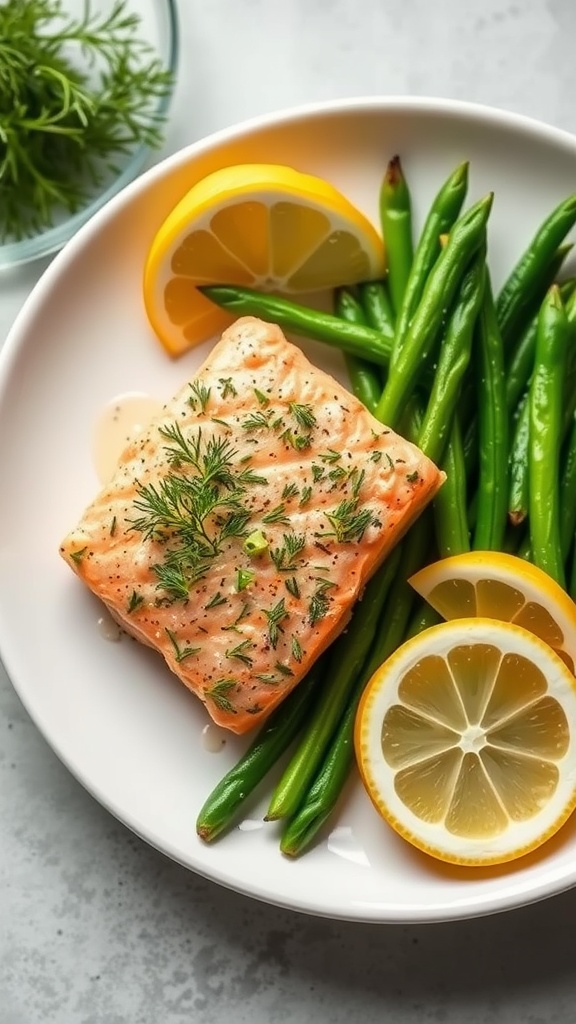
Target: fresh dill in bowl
x=78, y=95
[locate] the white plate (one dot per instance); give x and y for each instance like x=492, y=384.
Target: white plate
x=122, y=725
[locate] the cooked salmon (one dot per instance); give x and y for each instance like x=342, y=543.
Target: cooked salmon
x=241, y=526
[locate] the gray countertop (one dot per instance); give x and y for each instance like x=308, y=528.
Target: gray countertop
x=96, y=927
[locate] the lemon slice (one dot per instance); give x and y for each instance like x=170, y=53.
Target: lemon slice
x=265, y=226
x=465, y=741
x=503, y=587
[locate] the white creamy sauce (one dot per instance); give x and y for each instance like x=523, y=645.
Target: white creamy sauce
x=213, y=738
x=251, y=824
x=108, y=628
x=120, y=422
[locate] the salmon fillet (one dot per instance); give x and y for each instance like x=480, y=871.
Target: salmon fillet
x=241, y=526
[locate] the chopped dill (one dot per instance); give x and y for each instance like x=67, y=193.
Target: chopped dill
x=227, y=387
x=262, y=398
x=200, y=395
x=297, y=652
x=290, y=491
x=349, y=523
x=219, y=694
x=291, y=584
x=275, y=617
x=180, y=653
x=277, y=515
x=136, y=600
x=284, y=670
x=303, y=415
x=241, y=652
x=284, y=557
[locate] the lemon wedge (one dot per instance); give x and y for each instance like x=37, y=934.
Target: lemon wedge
x=465, y=741
x=505, y=587
x=263, y=226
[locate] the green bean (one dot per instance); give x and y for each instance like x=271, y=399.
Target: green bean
x=518, y=465
x=518, y=499
x=545, y=400
x=396, y=221
x=377, y=306
x=492, y=430
x=453, y=360
x=532, y=272
x=327, y=785
x=449, y=505
x=423, y=617
x=443, y=212
x=401, y=599
x=467, y=236
x=364, y=376
x=519, y=365
x=347, y=655
x=228, y=796
x=355, y=339
x=568, y=492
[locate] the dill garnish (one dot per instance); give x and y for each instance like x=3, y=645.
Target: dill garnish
x=330, y=456
x=305, y=496
x=299, y=442
x=319, y=602
x=240, y=652
x=77, y=556
x=275, y=616
x=233, y=627
x=297, y=652
x=227, y=387
x=277, y=515
x=76, y=93
x=216, y=600
x=173, y=578
x=135, y=601
x=113, y=526
x=348, y=522
x=284, y=557
x=257, y=421
x=303, y=415
x=194, y=510
x=284, y=670
x=200, y=395
x=262, y=398
x=317, y=472
x=247, y=476
x=290, y=491
x=292, y=587
x=219, y=694
x=180, y=653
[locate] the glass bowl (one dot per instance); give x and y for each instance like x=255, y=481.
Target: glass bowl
x=158, y=28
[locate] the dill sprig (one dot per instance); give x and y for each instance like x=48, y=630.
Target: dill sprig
x=349, y=523
x=75, y=95
x=284, y=557
x=275, y=617
x=193, y=510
